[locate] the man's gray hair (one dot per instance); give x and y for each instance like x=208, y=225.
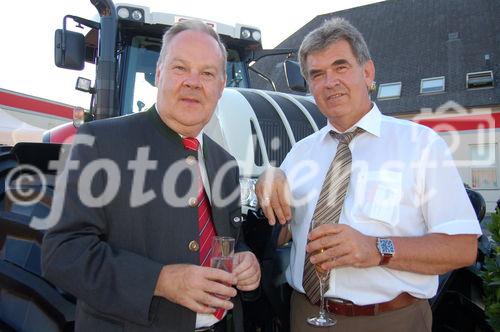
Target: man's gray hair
x=332, y=31
x=194, y=25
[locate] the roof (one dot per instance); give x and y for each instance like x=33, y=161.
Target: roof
x=414, y=39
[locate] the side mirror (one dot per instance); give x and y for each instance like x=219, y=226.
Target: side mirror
x=69, y=49
x=294, y=78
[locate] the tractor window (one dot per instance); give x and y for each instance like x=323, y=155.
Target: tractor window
x=139, y=91
x=138, y=63
x=236, y=70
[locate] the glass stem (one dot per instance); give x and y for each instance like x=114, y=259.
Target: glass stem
x=322, y=298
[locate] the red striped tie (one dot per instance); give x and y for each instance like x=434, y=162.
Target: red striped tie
x=206, y=229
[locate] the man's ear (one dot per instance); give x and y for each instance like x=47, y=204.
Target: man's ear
x=369, y=72
x=157, y=74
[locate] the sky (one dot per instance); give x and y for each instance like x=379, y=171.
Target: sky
x=27, y=35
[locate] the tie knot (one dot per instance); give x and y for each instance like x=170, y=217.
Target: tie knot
x=346, y=138
x=190, y=143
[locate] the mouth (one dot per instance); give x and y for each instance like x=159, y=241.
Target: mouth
x=190, y=100
x=335, y=96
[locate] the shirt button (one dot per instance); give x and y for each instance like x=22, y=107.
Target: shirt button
x=193, y=202
x=190, y=160
x=193, y=246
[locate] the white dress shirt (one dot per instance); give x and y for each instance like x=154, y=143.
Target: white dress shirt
x=403, y=183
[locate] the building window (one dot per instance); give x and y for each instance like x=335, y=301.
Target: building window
x=483, y=166
x=431, y=85
x=482, y=79
x=389, y=90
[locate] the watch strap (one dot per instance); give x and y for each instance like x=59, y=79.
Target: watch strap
x=385, y=259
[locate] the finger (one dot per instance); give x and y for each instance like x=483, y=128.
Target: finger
x=243, y=261
x=214, y=301
x=277, y=208
x=265, y=192
x=264, y=187
x=249, y=274
x=250, y=287
x=335, y=262
x=249, y=279
x=285, y=199
x=323, y=230
x=269, y=213
x=265, y=204
x=322, y=243
x=198, y=307
x=219, y=275
x=330, y=253
x=219, y=289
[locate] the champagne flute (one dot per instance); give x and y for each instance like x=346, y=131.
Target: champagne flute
x=323, y=319
x=222, y=255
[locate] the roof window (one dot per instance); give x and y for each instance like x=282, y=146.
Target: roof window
x=432, y=85
x=481, y=79
x=389, y=90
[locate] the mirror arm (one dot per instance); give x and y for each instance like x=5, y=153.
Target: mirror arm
x=257, y=55
x=264, y=77
x=88, y=23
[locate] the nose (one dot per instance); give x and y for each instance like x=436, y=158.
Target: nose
x=193, y=80
x=331, y=79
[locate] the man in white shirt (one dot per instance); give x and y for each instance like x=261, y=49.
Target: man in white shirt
x=403, y=216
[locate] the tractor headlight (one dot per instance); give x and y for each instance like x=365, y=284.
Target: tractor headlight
x=123, y=13
x=256, y=35
x=137, y=15
x=245, y=33
x=250, y=34
x=130, y=13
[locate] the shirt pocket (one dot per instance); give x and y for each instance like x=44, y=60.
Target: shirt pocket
x=381, y=198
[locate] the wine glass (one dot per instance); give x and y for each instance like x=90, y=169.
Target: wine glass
x=323, y=319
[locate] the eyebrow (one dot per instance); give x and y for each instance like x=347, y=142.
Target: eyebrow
x=333, y=64
x=212, y=67
x=340, y=62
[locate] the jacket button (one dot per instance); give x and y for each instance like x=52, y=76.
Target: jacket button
x=192, y=201
x=190, y=160
x=193, y=246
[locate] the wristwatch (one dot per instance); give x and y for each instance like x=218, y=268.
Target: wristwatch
x=386, y=249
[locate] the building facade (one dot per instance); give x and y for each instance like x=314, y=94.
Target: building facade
x=437, y=63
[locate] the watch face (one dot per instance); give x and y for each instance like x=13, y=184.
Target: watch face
x=386, y=246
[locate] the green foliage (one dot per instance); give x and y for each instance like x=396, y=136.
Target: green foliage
x=491, y=275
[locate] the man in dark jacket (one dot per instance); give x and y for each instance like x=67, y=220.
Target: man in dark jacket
x=144, y=201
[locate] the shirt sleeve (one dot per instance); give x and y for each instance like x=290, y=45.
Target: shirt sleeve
x=446, y=207
x=288, y=161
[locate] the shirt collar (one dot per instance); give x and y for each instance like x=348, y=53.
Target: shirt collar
x=370, y=122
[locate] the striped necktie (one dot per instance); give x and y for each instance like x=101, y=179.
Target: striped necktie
x=206, y=229
x=330, y=202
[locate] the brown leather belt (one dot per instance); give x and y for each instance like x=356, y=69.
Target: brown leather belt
x=347, y=308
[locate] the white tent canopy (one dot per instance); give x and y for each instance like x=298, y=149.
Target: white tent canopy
x=13, y=130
